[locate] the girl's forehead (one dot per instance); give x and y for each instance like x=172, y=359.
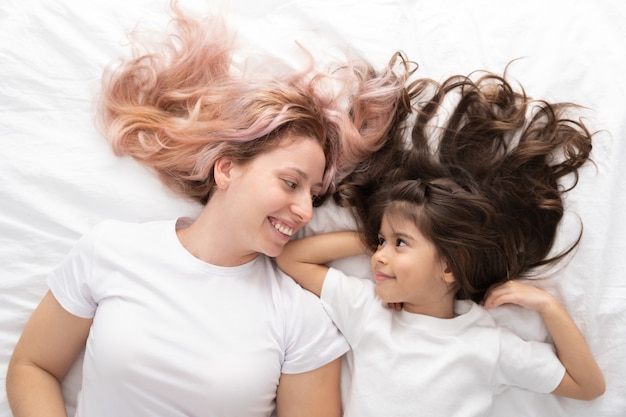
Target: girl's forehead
x=402, y=212
x=398, y=221
x=403, y=226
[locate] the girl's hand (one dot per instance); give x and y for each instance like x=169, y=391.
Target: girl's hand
x=395, y=306
x=583, y=378
x=516, y=292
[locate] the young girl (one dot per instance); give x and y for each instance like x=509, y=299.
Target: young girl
x=442, y=244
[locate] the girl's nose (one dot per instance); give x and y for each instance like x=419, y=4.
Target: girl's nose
x=379, y=256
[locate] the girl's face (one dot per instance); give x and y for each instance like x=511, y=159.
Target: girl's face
x=407, y=269
x=272, y=195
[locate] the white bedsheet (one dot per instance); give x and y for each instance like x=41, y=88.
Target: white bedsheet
x=58, y=176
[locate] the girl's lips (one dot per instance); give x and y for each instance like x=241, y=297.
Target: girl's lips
x=380, y=277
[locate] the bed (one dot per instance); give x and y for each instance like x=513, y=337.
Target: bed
x=58, y=177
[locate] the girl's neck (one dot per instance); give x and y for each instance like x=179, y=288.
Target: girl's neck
x=441, y=308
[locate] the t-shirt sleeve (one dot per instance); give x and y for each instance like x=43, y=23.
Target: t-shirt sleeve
x=69, y=282
x=312, y=340
x=347, y=301
x=527, y=364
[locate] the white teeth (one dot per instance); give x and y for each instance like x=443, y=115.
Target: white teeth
x=283, y=229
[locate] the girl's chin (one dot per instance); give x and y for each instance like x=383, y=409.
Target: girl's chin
x=381, y=295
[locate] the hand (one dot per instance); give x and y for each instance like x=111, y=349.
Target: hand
x=583, y=379
x=516, y=292
x=395, y=306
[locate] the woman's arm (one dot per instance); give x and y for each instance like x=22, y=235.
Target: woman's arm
x=51, y=341
x=305, y=259
x=583, y=378
x=310, y=394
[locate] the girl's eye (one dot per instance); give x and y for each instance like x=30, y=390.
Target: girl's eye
x=381, y=241
x=400, y=243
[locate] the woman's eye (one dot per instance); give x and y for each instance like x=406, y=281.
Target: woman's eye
x=290, y=184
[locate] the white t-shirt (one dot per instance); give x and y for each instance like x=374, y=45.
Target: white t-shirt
x=408, y=364
x=175, y=336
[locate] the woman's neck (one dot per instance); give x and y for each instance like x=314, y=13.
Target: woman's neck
x=210, y=238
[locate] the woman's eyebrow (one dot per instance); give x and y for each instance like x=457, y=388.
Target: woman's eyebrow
x=304, y=175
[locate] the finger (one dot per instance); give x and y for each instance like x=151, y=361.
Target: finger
x=498, y=297
x=395, y=306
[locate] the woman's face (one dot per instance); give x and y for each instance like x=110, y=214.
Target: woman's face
x=272, y=195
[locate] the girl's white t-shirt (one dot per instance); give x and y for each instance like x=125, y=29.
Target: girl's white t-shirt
x=407, y=365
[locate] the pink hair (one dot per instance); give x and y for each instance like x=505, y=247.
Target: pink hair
x=176, y=108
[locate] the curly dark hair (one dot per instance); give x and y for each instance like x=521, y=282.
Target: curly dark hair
x=485, y=186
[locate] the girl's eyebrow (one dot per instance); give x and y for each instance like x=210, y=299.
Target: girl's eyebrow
x=404, y=236
x=401, y=235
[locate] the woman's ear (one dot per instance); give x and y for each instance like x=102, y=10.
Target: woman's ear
x=223, y=171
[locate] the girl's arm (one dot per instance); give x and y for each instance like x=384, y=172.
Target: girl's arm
x=583, y=378
x=305, y=259
x=51, y=341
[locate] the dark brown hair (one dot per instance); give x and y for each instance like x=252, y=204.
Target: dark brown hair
x=486, y=185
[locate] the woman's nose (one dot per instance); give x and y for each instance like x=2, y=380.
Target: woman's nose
x=303, y=207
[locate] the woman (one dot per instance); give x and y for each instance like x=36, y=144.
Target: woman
x=187, y=317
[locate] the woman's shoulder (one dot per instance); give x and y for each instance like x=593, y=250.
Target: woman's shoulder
x=282, y=282
x=124, y=228
x=286, y=292
x=117, y=235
